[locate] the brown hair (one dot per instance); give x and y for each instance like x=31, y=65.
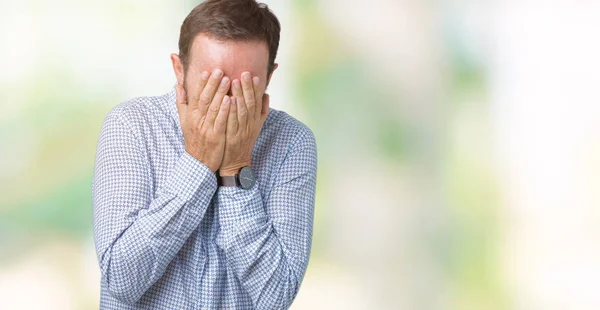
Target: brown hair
x=244, y=20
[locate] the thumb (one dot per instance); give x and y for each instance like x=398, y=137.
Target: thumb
x=181, y=101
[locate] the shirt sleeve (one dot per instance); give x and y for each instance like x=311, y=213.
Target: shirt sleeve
x=137, y=232
x=267, y=240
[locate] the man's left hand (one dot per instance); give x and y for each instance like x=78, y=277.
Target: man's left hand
x=248, y=111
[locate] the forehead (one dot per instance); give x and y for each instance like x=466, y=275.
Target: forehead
x=233, y=57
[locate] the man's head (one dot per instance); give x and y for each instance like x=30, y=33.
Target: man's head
x=232, y=35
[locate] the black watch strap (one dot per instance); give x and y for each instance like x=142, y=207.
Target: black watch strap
x=230, y=180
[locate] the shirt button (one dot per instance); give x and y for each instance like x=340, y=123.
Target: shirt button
x=208, y=192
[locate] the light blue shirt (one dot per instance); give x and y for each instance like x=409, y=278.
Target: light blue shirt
x=168, y=237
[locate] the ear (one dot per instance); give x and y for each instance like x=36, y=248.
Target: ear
x=270, y=75
x=178, y=68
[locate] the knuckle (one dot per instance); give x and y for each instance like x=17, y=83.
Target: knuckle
x=223, y=88
x=214, y=108
x=213, y=86
x=204, y=99
x=200, y=122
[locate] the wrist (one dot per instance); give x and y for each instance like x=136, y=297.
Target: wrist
x=212, y=166
x=232, y=170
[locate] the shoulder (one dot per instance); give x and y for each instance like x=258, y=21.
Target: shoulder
x=296, y=134
x=138, y=109
x=137, y=112
x=291, y=143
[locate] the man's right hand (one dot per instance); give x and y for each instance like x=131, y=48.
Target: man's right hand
x=204, y=119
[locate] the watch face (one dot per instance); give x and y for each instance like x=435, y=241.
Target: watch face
x=247, y=178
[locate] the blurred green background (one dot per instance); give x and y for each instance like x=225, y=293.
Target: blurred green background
x=459, y=145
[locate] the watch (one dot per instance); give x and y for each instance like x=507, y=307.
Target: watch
x=244, y=179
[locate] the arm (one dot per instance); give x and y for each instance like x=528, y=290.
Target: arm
x=267, y=240
x=137, y=234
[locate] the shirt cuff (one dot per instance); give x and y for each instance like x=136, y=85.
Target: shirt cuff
x=238, y=205
x=191, y=179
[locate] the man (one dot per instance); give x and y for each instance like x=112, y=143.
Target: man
x=203, y=197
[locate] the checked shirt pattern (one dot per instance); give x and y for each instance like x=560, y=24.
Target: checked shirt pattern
x=168, y=237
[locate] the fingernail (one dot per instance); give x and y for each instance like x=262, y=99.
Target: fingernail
x=236, y=83
x=232, y=100
x=255, y=80
x=218, y=73
x=246, y=76
x=205, y=75
x=225, y=81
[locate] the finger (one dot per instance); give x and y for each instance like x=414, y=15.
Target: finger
x=248, y=89
x=215, y=105
x=266, y=101
x=257, y=97
x=232, y=120
x=242, y=110
x=181, y=102
x=206, y=97
x=220, y=124
x=196, y=94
